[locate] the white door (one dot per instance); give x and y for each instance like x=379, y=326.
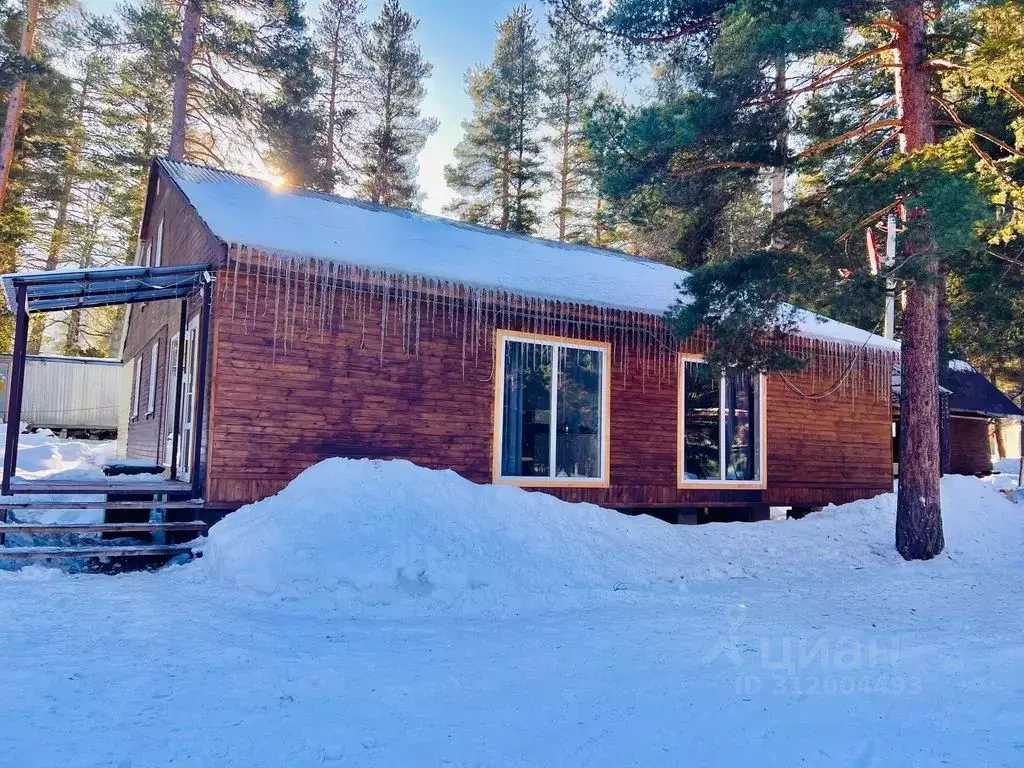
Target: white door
x=188, y=399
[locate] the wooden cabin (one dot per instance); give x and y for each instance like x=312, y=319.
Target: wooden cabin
x=976, y=408
x=337, y=328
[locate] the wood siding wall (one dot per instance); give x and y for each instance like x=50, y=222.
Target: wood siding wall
x=276, y=411
x=186, y=240
x=969, y=449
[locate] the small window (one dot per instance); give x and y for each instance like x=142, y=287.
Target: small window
x=158, y=253
x=154, y=358
x=551, y=411
x=138, y=388
x=721, y=427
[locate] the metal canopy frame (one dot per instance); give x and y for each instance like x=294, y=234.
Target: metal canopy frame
x=78, y=289
x=101, y=287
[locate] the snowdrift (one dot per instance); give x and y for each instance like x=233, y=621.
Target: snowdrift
x=359, y=533
x=43, y=454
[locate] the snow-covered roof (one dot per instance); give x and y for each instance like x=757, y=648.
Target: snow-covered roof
x=247, y=212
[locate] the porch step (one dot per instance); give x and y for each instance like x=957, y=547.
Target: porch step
x=114, y=505
x=49, y=553
x=176, y=488
x=20, y=528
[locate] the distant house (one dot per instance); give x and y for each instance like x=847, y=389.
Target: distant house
x=337, y=328
x=976, y=407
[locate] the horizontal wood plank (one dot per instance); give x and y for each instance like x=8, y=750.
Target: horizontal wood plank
x=44, y=528
x=51, y=553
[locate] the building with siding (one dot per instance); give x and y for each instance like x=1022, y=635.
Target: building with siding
x=344, y=329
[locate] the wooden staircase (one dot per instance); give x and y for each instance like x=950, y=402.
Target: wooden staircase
x=169, y=538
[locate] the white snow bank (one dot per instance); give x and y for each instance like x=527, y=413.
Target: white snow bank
x=361, y=533
x=43, y=454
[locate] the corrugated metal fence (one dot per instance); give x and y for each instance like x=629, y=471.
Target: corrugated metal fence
x=67, y=392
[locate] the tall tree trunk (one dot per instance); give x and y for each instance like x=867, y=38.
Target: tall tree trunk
x=781, y=143
x=1000, y=439
x=563, y=181
x=1020, y=468
x=381, y=180
x=332, y=117
x=942, y=356
x=186, y=52
x=506, y=180
x=918, y=513
x=16, y=100
x=73, y=331
x=58, y=237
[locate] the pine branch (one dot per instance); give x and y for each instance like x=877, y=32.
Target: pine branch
x=877, y=148
x=698, y=26
x=869, y=219
x=724, y=164
x=959, y=122
x=861, y=130
x=827, y=79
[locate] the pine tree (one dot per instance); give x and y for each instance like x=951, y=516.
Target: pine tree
x=392, y=75
x=37, y=155
x=224, y=58
x=497, y=173
x=725, y=129
x=290, y=125
x=571, y=68
x=15, y=97
x=136, y=123
x=87, y=52
x=337, y=37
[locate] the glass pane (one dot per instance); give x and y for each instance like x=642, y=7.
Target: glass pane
x=741, y=428
x=578, y=440
x=526, y=410
x=701, y=409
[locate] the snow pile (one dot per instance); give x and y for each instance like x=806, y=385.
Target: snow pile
x=360, y=533
x=1005, y=473
x=43, y=454
x=374, y=531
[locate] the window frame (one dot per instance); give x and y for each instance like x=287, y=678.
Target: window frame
x=158, y=252
x=137, y=394
x=154, y=367
x=555, y=342
x=762, y=437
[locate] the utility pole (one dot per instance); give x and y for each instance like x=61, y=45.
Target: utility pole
x=890, y=282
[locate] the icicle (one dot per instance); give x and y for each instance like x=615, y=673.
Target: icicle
x=383, y=319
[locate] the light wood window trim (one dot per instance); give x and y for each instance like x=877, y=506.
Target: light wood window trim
x=154, y=367
x=501, y=336
x=138, y=388
x=681, y=482
x=158, y=252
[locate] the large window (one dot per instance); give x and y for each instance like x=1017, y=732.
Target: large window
x=552, y=411
x=721, y=427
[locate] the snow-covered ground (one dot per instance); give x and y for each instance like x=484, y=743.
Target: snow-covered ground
x=42, y=455
x=380, y=614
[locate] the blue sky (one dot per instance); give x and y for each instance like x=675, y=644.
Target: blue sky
x=454, y=35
